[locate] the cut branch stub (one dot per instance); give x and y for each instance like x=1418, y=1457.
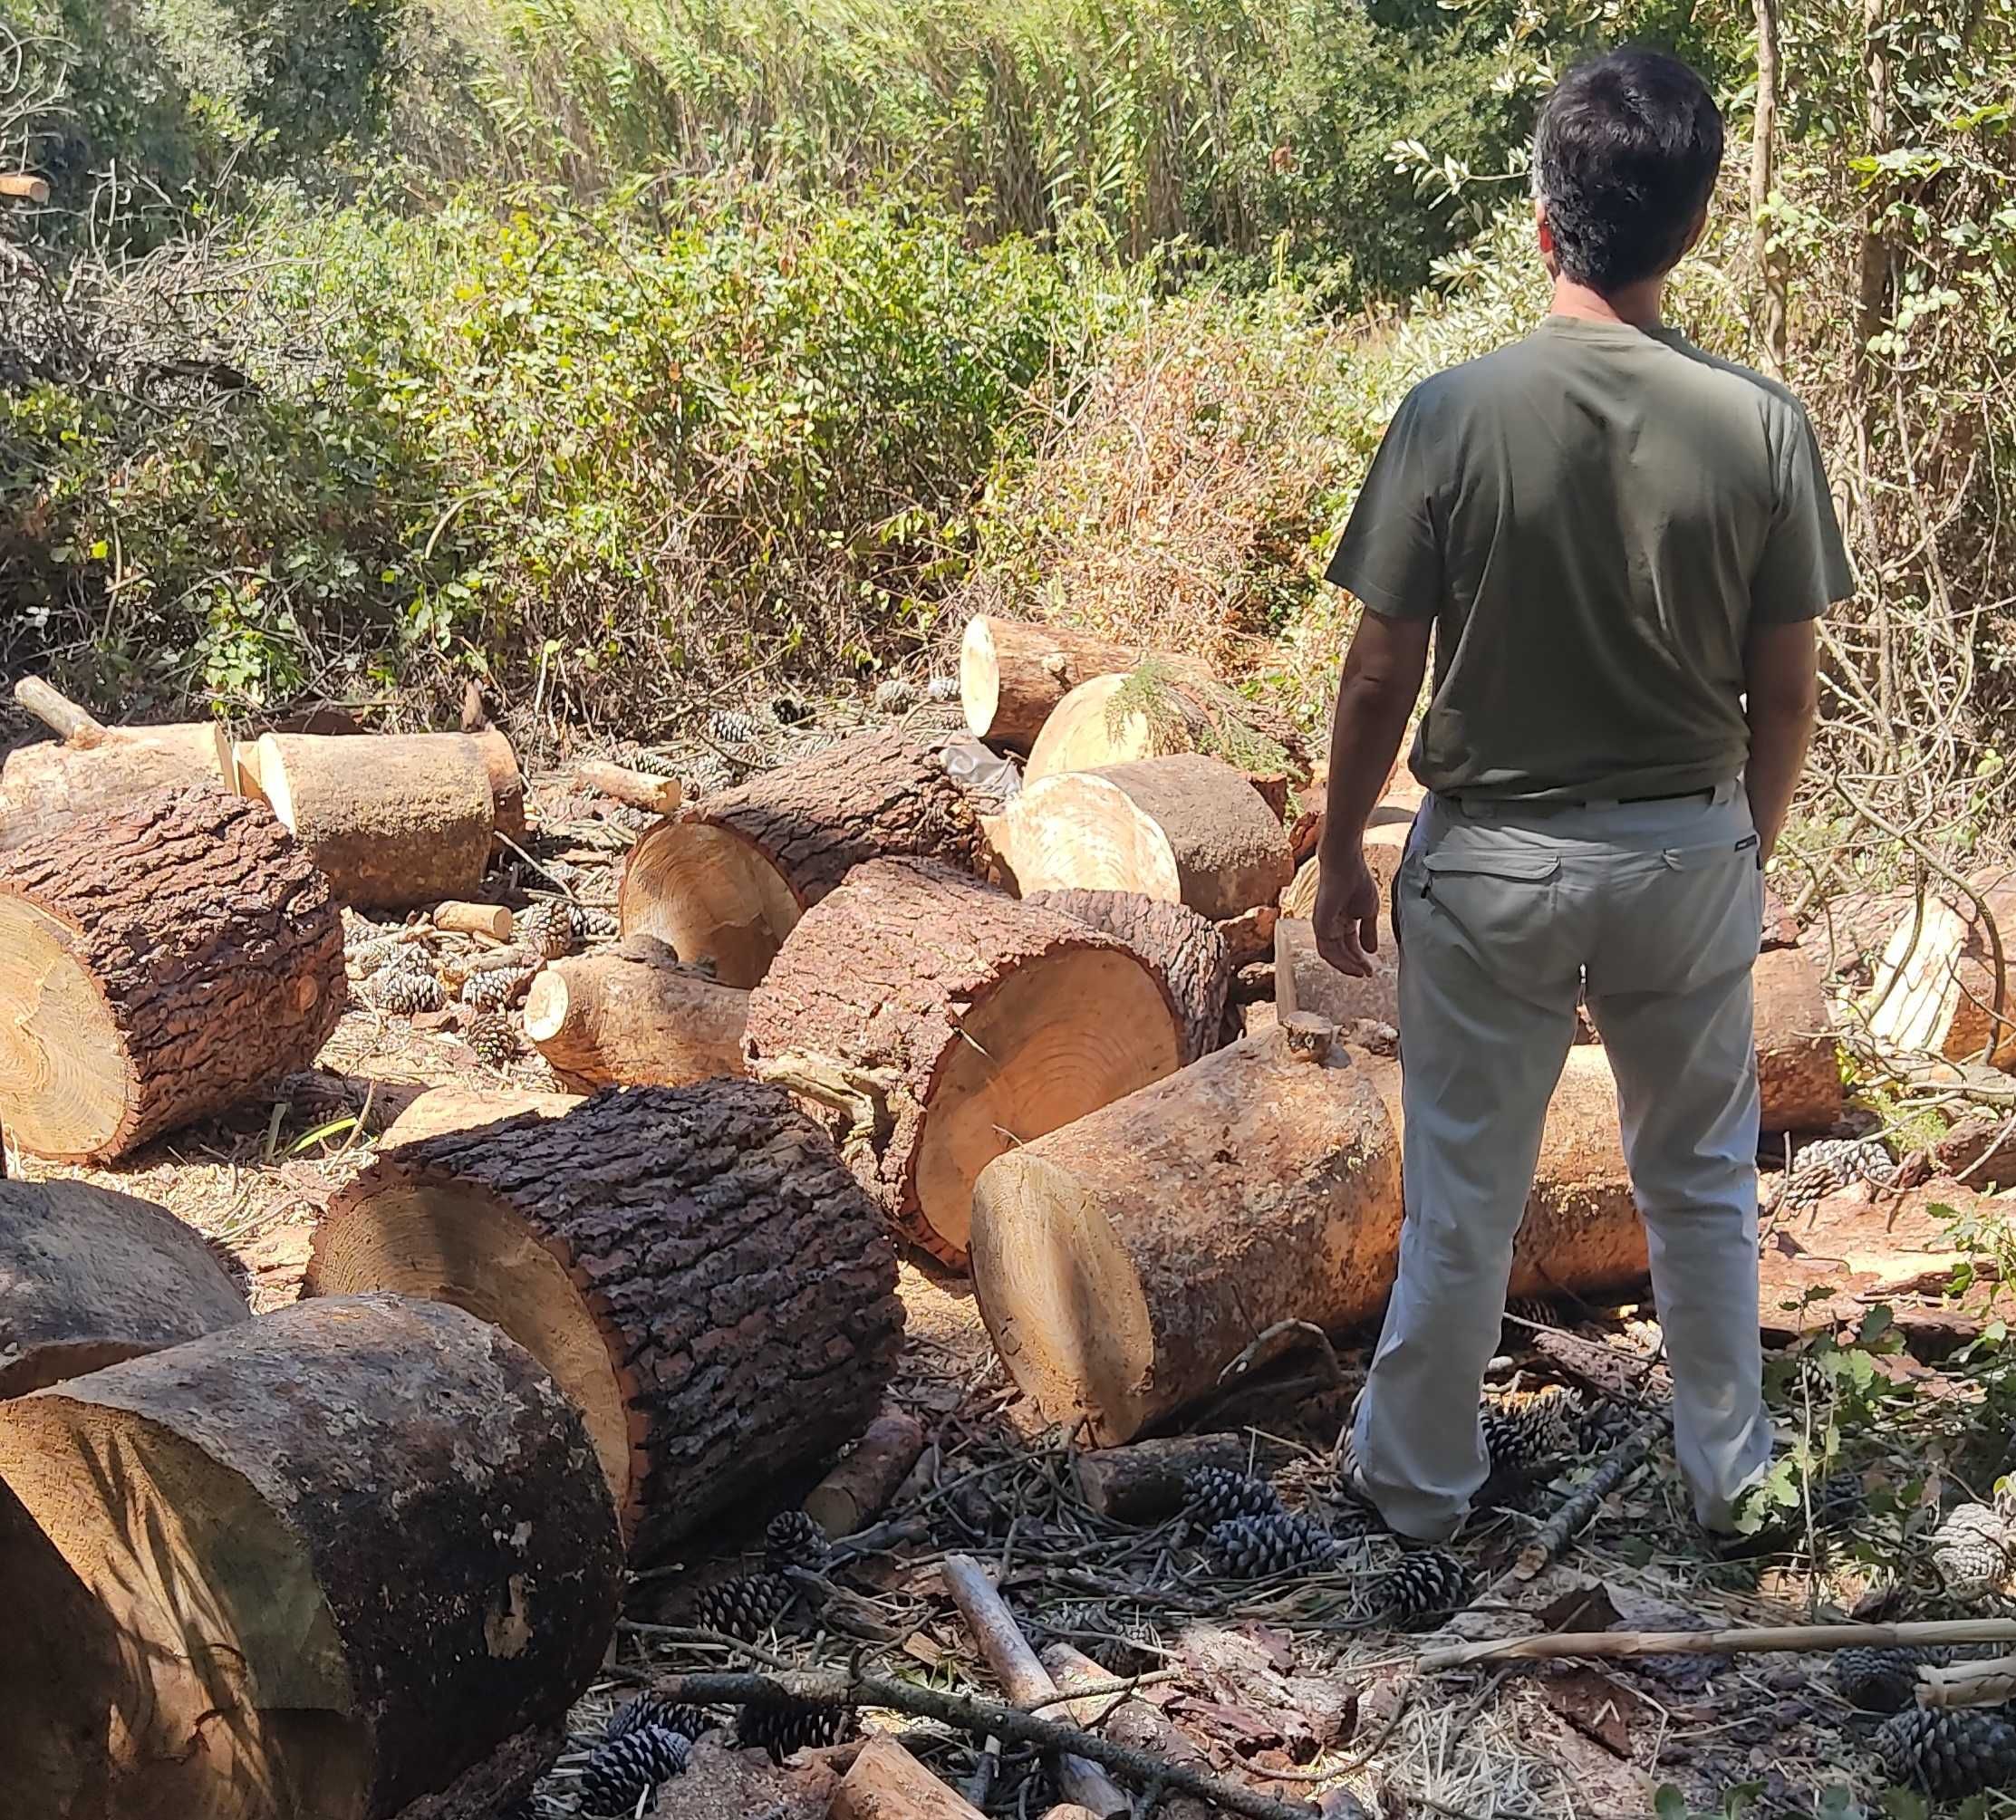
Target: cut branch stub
x=939, y=1022
x=692, y=1263
x=725, y=881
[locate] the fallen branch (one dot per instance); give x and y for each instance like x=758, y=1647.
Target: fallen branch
x=1763, y=1640
x=1985, y=1683
x=1579, y=1511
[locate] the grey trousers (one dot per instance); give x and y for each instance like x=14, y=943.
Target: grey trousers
x=1506, y=914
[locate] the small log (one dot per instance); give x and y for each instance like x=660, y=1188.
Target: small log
x=725, y=881
x=394, y=820
x=939, y=1022
x=632, y=1016
x=856, y=1490
x=493, y=921
x=1127, y=1721
x=887, y=1783
x=1187, y=829
x=638, y=789
x=1145, y=1480
x=641, y=1246
x=24, y=187
x=444, y=1109
x=43, y=787
x=1189, y=954
x=89, y=1277
x=1159, y=708
x=1012, y=674
x=1987, y=1683
x=219, y=1524
x=1024, y=1679
x=65, y=718
x=158, y=963
x=1123, y=1262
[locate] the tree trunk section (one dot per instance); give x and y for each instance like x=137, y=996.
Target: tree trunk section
x=1799, y=1069
x=1187, y=954
x=1946, y=983
x=726, y=880
x=1122, y=1263
x=158, y=963
x=1012, y=674
x=1160, y=709
x=1187, y=829
x=443, y=1110
x=89, y=1277
x=1147, y=1480
x=44, y=787
x=692, y=1263
x=395, y=820
x=938, y=1023
x=633, y=1016
x=861, y=1484
x=350, y=1558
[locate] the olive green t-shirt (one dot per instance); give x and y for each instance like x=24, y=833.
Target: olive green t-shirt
x=1594, y=517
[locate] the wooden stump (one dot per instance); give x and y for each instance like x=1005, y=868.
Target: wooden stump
x=1798, y=1068
x=395, y=820
x=1147, y=1480
x=352, y=1558
x=1011, y=674
x=939, y=1022
x=89, y=1277
x=1189, y=954
x=1158, y=709
x=692, y=1263
x=158, y=963
x=1187, y=829
x=726, y=880
x=632, y=1016
x=1122, y=1262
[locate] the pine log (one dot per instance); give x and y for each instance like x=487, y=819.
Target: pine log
x=1305, y=981
x=887, y=1783
x=1187, y=953
x=1187, y=829
x=725, y=881
x=349, y=1558
x=89, y=1277
x=857, y=1489
x=1936, y=990
x=1012, y=674
x=644, y=790
x=1122, y=1263
x=43, y=787
x=1145, y=1480
x=463, y=918
x=692, y=1263
x=158, y=963
x=632, y=1016
x=1128, y=1720
x=1798, y=1068
x=507, y=782
x=1158, y=709
x=443, y=1110
x=395, y=820
x=939, y=1022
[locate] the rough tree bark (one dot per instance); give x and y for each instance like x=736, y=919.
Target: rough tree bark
x=1188, y=953
x=632, y=1016
x=158, y=963
x=1012, y=674
x=692, y=1263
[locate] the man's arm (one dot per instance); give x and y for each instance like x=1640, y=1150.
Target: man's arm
x=1781, y=681
x=1382, y=681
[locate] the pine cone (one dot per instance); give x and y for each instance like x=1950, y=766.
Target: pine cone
x=593, y=923
x=793, y=1725
x=895, y=694
x=746, y=1606
x=1427, y=1583
x=405, y=989
x=1878, y=1679
x=787, y=710
x=547, y=929
x=651, y=1709
x=1840, y=1499
x=654, y=764
x=1215, y=1494
x=373, y=954
x=941, y=689
x=792, y=1539
x=494, y=1038
x=732, y=728
x=1969, y=1551
x=496, y=987
x=1948, y=1754
x=708, y=774
x=1537, y=1309
x=1253, y=1548
x=1835, y=1163
x=1526, y=1439
x=621, y=1772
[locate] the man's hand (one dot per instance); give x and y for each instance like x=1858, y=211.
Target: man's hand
x=1347, y=914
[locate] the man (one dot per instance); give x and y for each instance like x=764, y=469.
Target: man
x=1620, y=545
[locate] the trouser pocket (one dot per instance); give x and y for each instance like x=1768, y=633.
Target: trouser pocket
x=1501, y=909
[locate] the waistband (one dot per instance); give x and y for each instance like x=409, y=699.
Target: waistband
x=1698, y=818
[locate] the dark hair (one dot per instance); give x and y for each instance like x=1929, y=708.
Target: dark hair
x=1625, y=158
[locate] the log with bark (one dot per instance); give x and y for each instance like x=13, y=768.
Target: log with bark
x=887, y=1783
x=632, y=1016
x=725, y=881
x=857, y=1489
x=1188, y=829
x=937, y=1023
x=1147, y=1480
x=1189, y=953
x=159, y=962
x=1159, y=708
x=1799, y=1067
x=1012, y=674
x=1128, y=1720
x=1937, y=990
x=1122, y=1263
x=692, y=1263
x=350, y=1558
x=89, y=1277
x=442, y=1110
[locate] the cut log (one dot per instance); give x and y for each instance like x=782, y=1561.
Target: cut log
x=1188, y=829
x=442, y=1110
x=692, y=1263
x=1012, y=674
x=642, y=790
x=89, y=1277
x=1187, y=953
x=394, y=820
x=887, y=1783
x=1158, y=709
x=1798, y=1068
x=1305, y=982
x=44, y=787
x=350, y=1558
x=158, y=963
x=726, y=880
x=63, y=717
x=493, y=921
x=1128, y=1722
x=632, y=1016
x=1145, y=1481
x=1935, y=990
x=1122, y=1263
x=507, y=782
x=857, y=1489
x=937, y=1023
